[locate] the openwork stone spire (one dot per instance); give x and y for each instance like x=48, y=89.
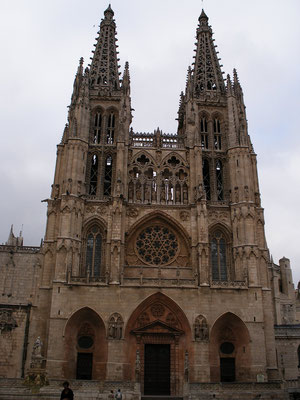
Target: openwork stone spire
x=207, y=70
x=104, y=72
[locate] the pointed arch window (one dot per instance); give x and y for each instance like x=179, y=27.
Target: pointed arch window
x=204, y=133
x=219, y=180
x=206, y=178
x=97, y=127
x=217, y=134
x=94, y=175
x=218, y=250
x=93, y=252
x=107, y=176
x=110, y=133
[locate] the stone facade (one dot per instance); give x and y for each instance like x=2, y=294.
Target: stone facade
x=154, y=274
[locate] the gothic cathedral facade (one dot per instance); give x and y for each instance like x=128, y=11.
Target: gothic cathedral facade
x=154, y=274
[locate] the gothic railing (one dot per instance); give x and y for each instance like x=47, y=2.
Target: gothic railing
x=21, y=249
x=90, y=279
x=228, y=284
x=156, y=139
x=144, y=275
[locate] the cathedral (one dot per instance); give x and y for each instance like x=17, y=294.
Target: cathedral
x=154, y=275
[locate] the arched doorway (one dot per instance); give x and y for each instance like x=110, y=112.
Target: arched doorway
x=85, y=353
x=229, y=350
x=158, y=336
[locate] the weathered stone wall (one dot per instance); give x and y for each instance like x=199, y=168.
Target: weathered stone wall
x=20, y=269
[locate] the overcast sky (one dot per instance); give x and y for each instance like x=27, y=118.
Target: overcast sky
x=41, y=42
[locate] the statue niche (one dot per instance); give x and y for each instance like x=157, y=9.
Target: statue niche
x=201, y=329
x=115, y=327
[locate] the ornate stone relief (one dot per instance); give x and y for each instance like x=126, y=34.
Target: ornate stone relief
x=7, y=322
x=157, y=310
x=96, y=210
x=143, y=319
x=218, y=216
x=132, y=212
x=184, y=215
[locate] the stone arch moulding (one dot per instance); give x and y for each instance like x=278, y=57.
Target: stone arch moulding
x=88, y=320
x=90, y=221
x=166, y=218
x=143, y=153
x=214, y=226
x=172, y=249
x=170, y=155
x=158, y=320
x=229, y=328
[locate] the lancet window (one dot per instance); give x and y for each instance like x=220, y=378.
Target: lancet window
x=94, y=175
x=217, y=134
x=218, y=253
x=97, y=127
x=100, y=173
x=93, y=252
x=107, y=176
x=110, y=132
x=219, y=180
x=206, y=178
x=204, y=133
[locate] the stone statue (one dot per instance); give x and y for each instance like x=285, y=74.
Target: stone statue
x=37, y=348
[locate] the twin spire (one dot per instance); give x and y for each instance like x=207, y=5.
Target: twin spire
x=104, y=71
x=207, y=76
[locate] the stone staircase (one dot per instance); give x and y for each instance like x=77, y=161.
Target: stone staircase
x=161, y=398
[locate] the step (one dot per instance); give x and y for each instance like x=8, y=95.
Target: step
x=161, y=398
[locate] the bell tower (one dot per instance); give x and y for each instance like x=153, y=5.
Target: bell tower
x=91, y=165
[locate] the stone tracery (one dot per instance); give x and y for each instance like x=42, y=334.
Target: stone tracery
x=152, y=183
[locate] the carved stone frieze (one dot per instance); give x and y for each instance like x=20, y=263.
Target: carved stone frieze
x=218, y=216
x=96, y=210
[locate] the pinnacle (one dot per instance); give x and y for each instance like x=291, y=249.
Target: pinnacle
x=203, y=15
x=108, y=13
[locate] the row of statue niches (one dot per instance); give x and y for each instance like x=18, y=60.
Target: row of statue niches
x=150, y=192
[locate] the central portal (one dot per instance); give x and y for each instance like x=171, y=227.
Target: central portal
x=157, y=369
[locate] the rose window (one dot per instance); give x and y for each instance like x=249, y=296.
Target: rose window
x=157, y=245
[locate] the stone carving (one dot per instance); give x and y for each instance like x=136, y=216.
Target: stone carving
x=201, y=328
x=236, y=195
x=132, y=212
x=218, y=215
x=7, y=322
x=199, y=192
x=171, y=320
x=186, y=366
x=137, y=366
x=143, y=319
x=184, y=215
x=115, y=327
x=157, y=310
x=37, y=348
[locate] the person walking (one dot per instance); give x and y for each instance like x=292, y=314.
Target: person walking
x=67, y=393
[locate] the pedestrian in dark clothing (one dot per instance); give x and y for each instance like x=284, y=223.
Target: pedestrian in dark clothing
x=67, y=393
